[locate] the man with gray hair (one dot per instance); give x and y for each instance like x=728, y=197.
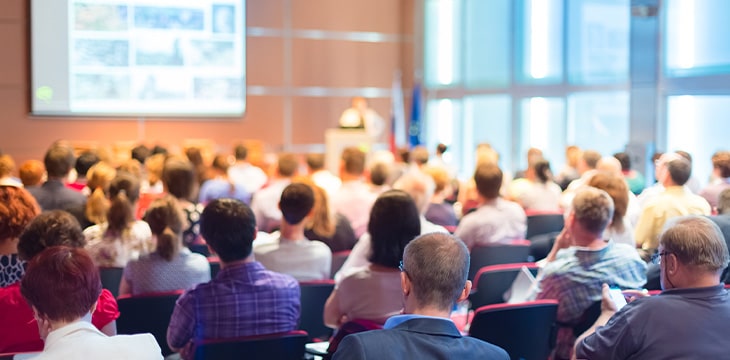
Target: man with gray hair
x=433, y=279
x=690, y=319
x=581, y=260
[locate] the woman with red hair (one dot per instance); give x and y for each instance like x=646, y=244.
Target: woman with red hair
x=17, y=209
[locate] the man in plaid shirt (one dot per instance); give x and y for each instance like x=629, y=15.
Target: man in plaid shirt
x=582, y=260
x=244, y=298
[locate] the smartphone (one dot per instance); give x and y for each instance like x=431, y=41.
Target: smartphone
x=618, y=297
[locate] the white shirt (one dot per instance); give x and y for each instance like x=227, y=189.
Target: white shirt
x=265, y=205
x=374, y=124
x=252, y=178
x=304, y=259
x=354, y=200
x=327, y=181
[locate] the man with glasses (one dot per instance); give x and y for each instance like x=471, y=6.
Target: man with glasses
x=690, y=319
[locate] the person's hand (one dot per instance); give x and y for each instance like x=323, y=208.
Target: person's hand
x=632, y=295
x=564, y=239
x=607, y=304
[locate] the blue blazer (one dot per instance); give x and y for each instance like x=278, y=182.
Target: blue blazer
x=418, y=338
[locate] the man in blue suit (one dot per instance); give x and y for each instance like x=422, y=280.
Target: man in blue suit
x=433, y=279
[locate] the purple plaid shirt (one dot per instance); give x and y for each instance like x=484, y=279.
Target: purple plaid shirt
x=242, y=300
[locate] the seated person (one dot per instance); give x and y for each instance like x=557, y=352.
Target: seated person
x=220, y=185
x=244, y=298
x=373, y=292
x=17, y=210
x=292, y=253
x=433, y=279
x=172, y=266
x=62, y=286
x=328, y=226
x=19, y=330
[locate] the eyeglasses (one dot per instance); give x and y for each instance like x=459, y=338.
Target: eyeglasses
x=400, y=267
x=657, y=258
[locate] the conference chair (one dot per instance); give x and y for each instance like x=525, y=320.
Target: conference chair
x=111, y=277
x=494, y=254
x=543, y=223
x=281, y=346
x=525, y=330
x=147, y=313
x=313, y=296
x=491, y=282
x=215, y=266
x=350, y=327
x=338, y=259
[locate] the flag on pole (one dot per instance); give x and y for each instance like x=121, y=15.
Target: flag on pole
x=397, y=115
x=414, y=130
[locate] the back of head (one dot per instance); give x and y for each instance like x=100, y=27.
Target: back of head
x=379, y=173
x=7, y=165
x=322, y=222
x=723, y=202
x=85, y=161
x=132, y=167
x=721, y=162
x=99, y=177
x=62, y=283
x=159, y=149
x=441, y=148
x=353, y=160
x=195, y=156
x=488, y=179
x=240, y=152
x=123, y=192
x=17, y=210
x=617, y=188
x=542, y=170
x=287, y=164
x=394, y=222
x=154, y=165
x=166, y=220
x=624, y=159
x=591, y=158
x=50, y=228
x=31, y=173
x=685, y=155
x=315, y=161
x=609, y=164
x=141, y=153
x=696, y=242
x=229, y=227
x=296, y=202
x=419, y=155
x=419, y=186
x=437, y=265
x=679, y=170
x=178, y=175
x=59, y=160
x=572, y=155
x=439, y=175
x=220, y=163
x=593, y=209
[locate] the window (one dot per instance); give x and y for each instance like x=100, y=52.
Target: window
x=487, y=61
x=441, y=47
x=543, y=127
x=542, y=41
x=599, y=121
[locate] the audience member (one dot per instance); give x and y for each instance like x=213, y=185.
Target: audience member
x=7, y=167
x=220, y=185
x=120, y=238
x=433, y=278
x=292, y=253
x=140, y=153
x=17, y=209
x=171, y=266
x=495, y=220
x=99, y=177
x=378, y=177
x=53, y=194
x=178, y=179
x=195, y=156
x=533, y=155
x=569, y=172
x=693, y=184
x=419, y=156
x=251, y=177
x=19, y=330
x=373, y=292
x=354, y=198
x=264, y=203
x=536, y=191
x=327, y=226
x=62, y=286
x=244, y=298
x=32, y=173
x=586, y=168
x=688, y=320
x=634, y=179
x=581, y=260
x=721, y=178
x=151, y=186
x=620, y=229
x=321, y=176
x=439, y=211
x=85, y=161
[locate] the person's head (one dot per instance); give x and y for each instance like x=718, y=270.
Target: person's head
x=485, y=154
x=723, y=202
x=419, y=155
x=287, y=165
x=609, y=164
x=322, y=221
x=50, y=228
x=123, y=194
x=692, y=249
x=61, y=284
x=419, y=186
x=296, y=203
x=677, y=172
x=624, y=159
x=572, y=155
x=7, y=165
x=59, y=161
x=141, y=153
x=167, y=222
x=359, y=103
x=533, y=155
x=441, y=149
x=159, y=149
x=588, y=160
x=31, y=173
x=195, y=156
x=240, y=152
x=379, y=173
x=435, y=269
x=220, y=164
x=394, y=222
x=618, y=190
x=315, y=161
x=17, y=209
x=229, y=227
x=440, y=177
x=721, y=163
x=132, y=167
x=592, y=211
x=488, y=179
x=178, y=177
x=85, y=161
x=154, y=165
x=98, y=179
x=353, y=161
x=541, y=170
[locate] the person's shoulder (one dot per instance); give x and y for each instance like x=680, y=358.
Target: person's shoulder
x=485, y=350
x=137, y=346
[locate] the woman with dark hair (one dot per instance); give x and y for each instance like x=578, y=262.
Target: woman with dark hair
x=374, y=292
x=325, y=224
x=178, y=180
x=17, y=209
x=19, y=330
x=171, y=266
x=62, y=286
x=536, y=191
x=120, y=238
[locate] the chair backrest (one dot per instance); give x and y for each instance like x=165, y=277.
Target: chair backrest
x=338, y=259
x=284, y=346
x=111, y=277
x=543, y=223
x=491, y=282
x=525, y=330
x=313, y=296
x=147, y=313
x=495, y=254
x=215, y=266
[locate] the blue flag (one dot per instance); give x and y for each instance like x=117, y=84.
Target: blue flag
x=414, y=130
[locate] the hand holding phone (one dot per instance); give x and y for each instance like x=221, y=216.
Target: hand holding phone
x=618, y=297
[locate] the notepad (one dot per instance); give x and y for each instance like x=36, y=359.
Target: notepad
x=524, y=288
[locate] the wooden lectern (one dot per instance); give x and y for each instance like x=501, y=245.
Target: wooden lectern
x=337, y=140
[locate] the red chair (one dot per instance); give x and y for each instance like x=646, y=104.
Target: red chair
x=525, y=330
x=147, y=313
x=494, y=254
x=313, y=296
x=491, y=282
x=543, y=223
x=338, y=259
x=281, y=346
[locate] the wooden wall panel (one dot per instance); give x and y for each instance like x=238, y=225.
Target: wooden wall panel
x=338, y=15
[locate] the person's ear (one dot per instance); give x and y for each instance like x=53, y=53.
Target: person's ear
x=405, y=283
x=93, y=306
x=671, y=265
x=465, y=292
